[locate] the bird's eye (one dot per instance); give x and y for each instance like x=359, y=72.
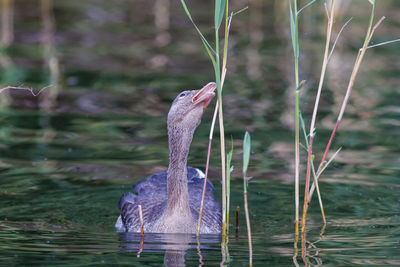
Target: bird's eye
x=182, y=95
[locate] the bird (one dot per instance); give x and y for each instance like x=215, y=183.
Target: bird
x=170, y=201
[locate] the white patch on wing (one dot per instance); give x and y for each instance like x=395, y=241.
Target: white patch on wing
x=200, y=173
x=119, y=225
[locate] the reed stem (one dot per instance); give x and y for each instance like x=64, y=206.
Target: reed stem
x=314, y=116
x=295, y=42
x=353, y=76
x=221, y=131
x=207, y=166
x=228, y=186
x=219, y=79
x=246, y=212
x=246, y=159
x=141, y=220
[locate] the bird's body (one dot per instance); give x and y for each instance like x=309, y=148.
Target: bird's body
x=152, y=193
x=171, y=200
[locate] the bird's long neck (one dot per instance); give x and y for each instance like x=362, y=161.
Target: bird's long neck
x=179, y=140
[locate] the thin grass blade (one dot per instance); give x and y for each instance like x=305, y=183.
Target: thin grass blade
x=337, y=37
x=205, y=42
x=309, y=4
x=209, y=54
x=329, y=161
x=239, y=11
x=303, y=126
x=384, y=43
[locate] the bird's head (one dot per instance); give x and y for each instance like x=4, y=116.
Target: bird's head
x=188, y=107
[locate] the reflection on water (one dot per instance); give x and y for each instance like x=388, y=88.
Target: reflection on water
x=6, y=39
x=49, y=96
x=175, y=246
x=65, y=164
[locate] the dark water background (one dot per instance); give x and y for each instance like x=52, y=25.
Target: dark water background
x=68, y=155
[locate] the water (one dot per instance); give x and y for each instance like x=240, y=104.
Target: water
x=63, y=169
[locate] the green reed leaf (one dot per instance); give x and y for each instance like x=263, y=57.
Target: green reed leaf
x=219, y=12
x=229, y=159
x=246, y=151
x=229, y=168
x=293, y=31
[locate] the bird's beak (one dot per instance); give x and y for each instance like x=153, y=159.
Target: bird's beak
x=205, y=95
